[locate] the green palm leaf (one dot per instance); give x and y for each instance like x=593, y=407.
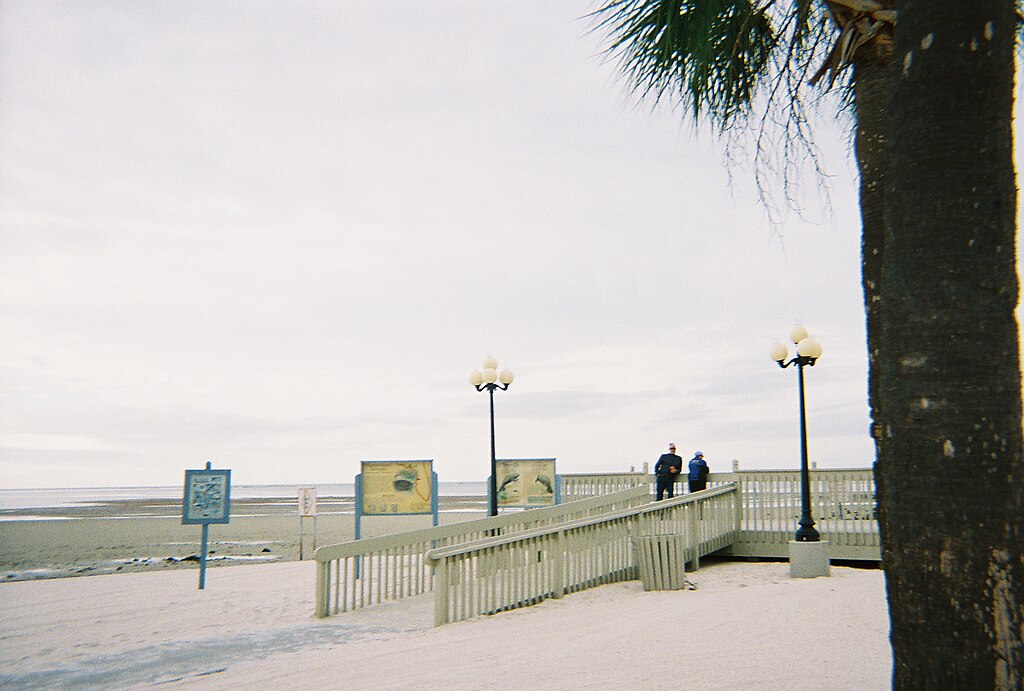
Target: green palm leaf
x=712, y=55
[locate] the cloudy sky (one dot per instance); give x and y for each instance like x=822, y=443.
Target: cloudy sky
x=280, y=235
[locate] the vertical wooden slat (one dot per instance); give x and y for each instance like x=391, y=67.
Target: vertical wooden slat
x=441, y=592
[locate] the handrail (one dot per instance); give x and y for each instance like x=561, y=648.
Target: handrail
x=575, y=485
x=476, y=525
x=654, y=507
x=509, y=571
x=387, y=567
x=842, y=506
x=766, y=511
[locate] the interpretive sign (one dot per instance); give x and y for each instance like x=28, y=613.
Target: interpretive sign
x=391, y=488
x=395, y=488
x=525, y=482
x=207, y=497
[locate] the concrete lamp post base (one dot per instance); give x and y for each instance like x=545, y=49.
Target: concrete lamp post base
x=808, y=559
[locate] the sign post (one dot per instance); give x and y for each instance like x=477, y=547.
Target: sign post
x=307, y=508
x=207, y=500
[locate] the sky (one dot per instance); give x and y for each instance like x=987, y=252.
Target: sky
x=280, y=235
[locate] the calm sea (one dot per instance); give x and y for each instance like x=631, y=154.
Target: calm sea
x=84, y=496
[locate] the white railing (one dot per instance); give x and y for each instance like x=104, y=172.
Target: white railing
x=842, y=505
x=580, y=485
x=766, y=504
x=389, y=567
x=510, y=571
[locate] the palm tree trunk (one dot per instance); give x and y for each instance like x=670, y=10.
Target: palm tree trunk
x=872, y=90
x=950, y=469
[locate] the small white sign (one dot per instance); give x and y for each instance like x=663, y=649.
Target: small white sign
x=307, y=501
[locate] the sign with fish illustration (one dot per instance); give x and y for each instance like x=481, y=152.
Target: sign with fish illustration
x=396, y=487
x=527, y=482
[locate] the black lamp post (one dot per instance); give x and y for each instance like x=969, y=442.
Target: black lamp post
x=807, y=352
x=490, y=380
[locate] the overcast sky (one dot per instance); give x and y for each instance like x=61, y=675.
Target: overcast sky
x=280, y=235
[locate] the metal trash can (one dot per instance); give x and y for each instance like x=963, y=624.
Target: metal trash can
x=661, y=560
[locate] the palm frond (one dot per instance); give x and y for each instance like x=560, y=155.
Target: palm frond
x=709, y=53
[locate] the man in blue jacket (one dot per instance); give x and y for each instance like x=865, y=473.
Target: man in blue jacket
x=698, y=475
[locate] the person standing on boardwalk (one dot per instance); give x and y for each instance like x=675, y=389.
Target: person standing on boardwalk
x=698, y=475
x=666, y=470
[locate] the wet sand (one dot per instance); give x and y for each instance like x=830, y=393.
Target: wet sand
x=147, y=535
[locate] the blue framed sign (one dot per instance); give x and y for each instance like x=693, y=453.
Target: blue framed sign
x=207, y=497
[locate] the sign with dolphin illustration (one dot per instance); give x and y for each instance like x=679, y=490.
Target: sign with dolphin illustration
x=526, y=482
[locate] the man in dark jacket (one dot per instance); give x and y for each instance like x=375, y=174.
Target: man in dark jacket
x=665, y=471
x=698, y=475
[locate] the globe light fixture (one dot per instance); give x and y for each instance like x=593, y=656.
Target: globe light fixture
x=486, y=380
x=808, y=351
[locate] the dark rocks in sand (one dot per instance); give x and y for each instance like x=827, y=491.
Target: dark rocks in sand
x=191, y=557
x=265, y=549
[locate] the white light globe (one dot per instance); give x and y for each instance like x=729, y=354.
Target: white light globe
x=490, y=363
x=506, y=376
x=490, y=375
x=476, y=379
x=779, y=352
x=797, y=333
x=808, y=347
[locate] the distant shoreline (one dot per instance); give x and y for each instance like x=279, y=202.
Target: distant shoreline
x=57, y=497
x=133, y=535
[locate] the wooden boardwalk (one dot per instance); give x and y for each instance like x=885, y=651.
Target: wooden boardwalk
x=515, y=560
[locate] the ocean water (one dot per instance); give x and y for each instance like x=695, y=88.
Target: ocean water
x=15, y=499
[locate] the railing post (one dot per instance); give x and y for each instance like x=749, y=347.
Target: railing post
x=323, y=587
x=739, y=506
x=440, y=591
x=695, y=514
x=558, y=579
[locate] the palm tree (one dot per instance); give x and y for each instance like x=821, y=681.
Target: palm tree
x=940, y=282
x=950, y=465
x=720, y=58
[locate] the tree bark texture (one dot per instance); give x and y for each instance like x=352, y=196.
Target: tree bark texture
x=950, y=471
x=872, y=90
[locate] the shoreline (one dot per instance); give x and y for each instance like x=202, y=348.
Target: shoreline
x=143, y=535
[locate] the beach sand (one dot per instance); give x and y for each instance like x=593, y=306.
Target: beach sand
x=746, y=626
x=140, y=620
x=129, y=536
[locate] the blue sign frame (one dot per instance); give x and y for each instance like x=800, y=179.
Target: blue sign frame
x=207, y=497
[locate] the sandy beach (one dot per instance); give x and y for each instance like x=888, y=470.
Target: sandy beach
x=128, y=536
x=139, y=619
x=746, y=626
